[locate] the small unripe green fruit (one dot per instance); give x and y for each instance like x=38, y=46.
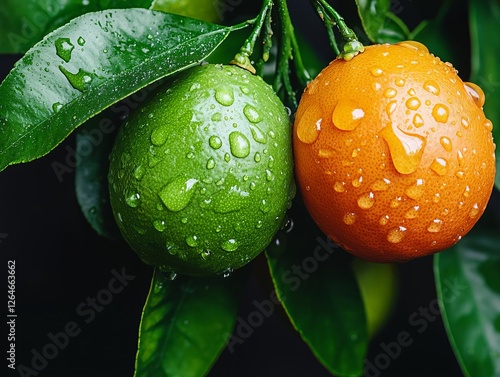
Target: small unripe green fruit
x=202, y=175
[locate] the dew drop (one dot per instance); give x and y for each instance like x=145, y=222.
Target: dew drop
x=227, y=272
x=381, y=185
x=269, y=175
x=467, y=191
x=326, y=153
x=224, y=95
x=412, y=213
x=210, y=163
x=435, y=226
x=440, y=166
x=177, y=194
x=227, y=157
x=384, y=220
x=489, y=126
x=396, y=202
x=396, y=235
x=139, y=172
x=347, y=116
x=460, y=174
x=440, y=113
x=432, y=87
x=400, y=82
x=476, y=93
x=460, y=158
x=390, y=93
x=356, y=182
x=215, y=142
x=192, y=241
x=257, y=157
x=309, y=126
x=216, y=117
x=446, y=143
x=366, y=201
x=414, y=45
x=159, y=225
x=413, y=103
x=57, y=107
x=436, y=198
x=252, y=114
x=377, y=72
x=132, y=199
x=205, y=254
x=474, y=212
x=350, y=218
x=339, y=186
x=418, y=121
x=81, y=41
x=416, y=190
x=406, y=149
x=159, y=136
x=64, y=48
x=391, y=108
x=230, y=245
x=239, y=144
x=80, y=80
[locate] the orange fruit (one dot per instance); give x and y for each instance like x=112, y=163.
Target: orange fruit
x=394, y=155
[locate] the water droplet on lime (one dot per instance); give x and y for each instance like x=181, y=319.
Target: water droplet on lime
x=210, y=163
x=178, y=193
x=230, y=245
x=159, y=136
x=239, y=144
x=224, y=95
x=192, y=241
x=252, y=114
x=159, y=225
x=132, y=199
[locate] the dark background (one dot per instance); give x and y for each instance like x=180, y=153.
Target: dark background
x=60, y=261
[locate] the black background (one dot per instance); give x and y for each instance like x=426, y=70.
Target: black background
x=60, y=261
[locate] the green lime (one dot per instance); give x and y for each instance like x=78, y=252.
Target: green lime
x=202, y=175
x=205, y=10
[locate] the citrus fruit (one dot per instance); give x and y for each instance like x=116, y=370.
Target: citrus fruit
x=394, y=155
x=202, y=175
x=204, y=10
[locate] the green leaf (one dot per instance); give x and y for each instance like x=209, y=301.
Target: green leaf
x=26, y=22
x=185, y=325
x=86, y=66
x=94, y=141
x=468, y=288
x=315, y=282
x=484, y=18
x=379, y=23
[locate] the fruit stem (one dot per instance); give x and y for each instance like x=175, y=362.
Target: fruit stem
x=330, y=16
x=289, y=50
x=242, y=58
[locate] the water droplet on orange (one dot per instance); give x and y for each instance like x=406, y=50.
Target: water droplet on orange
x=349, y=218
x=460, y=174
x=474, y=212
x=390, y=93
x=416, y=190
x=414, y=45
x=366, y=201
x=440, y=166
x=384, y=220
x=400, y=82
x=325, y=153
x=309, y=126
x=391, y=107
x=465, y=123
x=467, y=191
x=460, y=158
x=356, y=182
x=440, y=113
x=406, y=149
x=412, y=92
x=381, y=185
x=412, y=213
x=413, y=103
x=432, y=87
x=396, y=235
x=436, y=198
x=339, y=186
x=418, y=121
x=377, y=72
x=396, y=202
x=476, y=93
x=346, y=116
x=489, y=126
x=435, y=226
x=446, y=143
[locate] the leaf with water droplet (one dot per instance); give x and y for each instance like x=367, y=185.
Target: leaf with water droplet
x=186, y=314
x=33, y=127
